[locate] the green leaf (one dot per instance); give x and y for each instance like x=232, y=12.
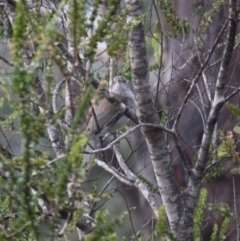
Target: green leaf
x=214, y=236
x=198, y=217
x=236, y=129
x=233, y=109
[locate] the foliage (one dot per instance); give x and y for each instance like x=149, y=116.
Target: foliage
x=228, y=146
x=229, y=142
x=198, y=217
x=207, y=19
x=162, y=226
x=179, y=26
x=151, y=187
x=32, y=176
x=43, y=183
x=224, y=210
x=105, y=229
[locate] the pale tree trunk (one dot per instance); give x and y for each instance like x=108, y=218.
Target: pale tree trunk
x=180, y=206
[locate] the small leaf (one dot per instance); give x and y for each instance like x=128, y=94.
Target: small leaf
x=237, y=129
x=234, y=109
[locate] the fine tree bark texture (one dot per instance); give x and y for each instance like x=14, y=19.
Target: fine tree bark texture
x=179, y=207
x=182, y=62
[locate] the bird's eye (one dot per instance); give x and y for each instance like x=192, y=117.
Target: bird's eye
x=123, y=80
x=119, y=79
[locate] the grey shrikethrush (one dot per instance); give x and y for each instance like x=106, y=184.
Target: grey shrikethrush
x=108, y=118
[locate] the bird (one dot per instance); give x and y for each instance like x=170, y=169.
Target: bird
x=106, y=117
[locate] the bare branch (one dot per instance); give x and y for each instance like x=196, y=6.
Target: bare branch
x=219, y=99
x=195, y=80
x=110, y=145
x=136, y=182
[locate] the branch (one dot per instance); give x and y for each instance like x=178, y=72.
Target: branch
x=136, y=181
x=54, y=131
x=146, y=113
x=110, y=169
x=110, y=145
x=122, y=107
x=219, y=99
x=195, y=80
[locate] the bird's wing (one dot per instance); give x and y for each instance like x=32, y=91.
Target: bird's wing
x=103, y=121
x=105, y=115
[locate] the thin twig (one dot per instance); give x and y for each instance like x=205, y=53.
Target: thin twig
x=194, y=81
x=235, y=208
x=161, y=56
x=110, y=145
